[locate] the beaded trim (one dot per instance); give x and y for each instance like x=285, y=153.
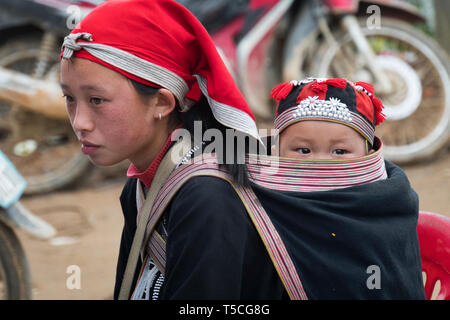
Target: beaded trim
x=307, y=80
x=332, y=108
x=353, y=120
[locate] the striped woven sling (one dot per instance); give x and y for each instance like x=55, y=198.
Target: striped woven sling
x=270, y=172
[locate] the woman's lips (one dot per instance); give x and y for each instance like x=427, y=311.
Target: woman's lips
x=88, y=147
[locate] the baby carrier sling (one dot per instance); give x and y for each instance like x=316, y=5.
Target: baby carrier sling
x=265, y=171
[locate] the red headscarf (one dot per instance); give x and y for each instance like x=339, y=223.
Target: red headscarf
x=162, y=44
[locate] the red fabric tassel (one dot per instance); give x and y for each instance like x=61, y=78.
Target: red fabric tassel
x=336, y=82
x=365, y=85
x=281, y=91
x=378, y=107
x=379, y=117
x=319, y=87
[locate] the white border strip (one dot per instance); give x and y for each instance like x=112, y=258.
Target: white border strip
x=131, y=64
x=228, y=115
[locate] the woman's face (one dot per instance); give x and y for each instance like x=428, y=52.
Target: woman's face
x=110, y=119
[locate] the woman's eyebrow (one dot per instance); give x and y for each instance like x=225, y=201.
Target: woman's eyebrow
x=86, y=87
x=92, y=87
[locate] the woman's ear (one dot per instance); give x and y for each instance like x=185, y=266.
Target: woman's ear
x=165, y=102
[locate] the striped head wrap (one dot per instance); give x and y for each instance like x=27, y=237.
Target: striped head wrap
x=336, y=100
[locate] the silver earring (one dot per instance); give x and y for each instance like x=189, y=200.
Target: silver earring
x=159, y=116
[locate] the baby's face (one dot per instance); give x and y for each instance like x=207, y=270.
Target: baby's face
x=324, y=140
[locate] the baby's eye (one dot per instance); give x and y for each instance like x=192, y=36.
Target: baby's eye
x=96, y=100
x=339, y=152
x=303, y=150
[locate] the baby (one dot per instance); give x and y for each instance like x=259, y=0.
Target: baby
x=348, y=114
x=348, y=211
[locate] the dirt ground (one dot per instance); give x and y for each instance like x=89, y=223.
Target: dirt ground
x=88, y=221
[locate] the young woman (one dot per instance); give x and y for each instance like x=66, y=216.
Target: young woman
x=132, y=72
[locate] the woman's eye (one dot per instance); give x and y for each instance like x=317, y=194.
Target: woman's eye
x=68, y=98
x=303, y=150
x=97, y=100
x=339, y=152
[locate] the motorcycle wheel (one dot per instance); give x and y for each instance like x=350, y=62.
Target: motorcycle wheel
x=15, y=280
x=45, y=151
x=418, y=108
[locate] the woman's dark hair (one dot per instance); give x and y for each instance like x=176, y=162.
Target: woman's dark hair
x=201, y=111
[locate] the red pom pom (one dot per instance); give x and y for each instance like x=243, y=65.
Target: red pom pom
x=336, y=82
x=281, y=91
x=366, y=86
x=378, y=108
x=319, y=87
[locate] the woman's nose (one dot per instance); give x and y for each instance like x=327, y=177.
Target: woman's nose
x=82, y=120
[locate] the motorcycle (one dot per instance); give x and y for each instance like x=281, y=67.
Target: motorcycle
x=373, y=41
x=262, y=42
x=15, y=279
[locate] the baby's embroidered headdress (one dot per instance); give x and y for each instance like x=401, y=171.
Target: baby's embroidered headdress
x=336, y=100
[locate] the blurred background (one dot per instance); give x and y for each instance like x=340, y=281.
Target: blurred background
x=402, y=47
